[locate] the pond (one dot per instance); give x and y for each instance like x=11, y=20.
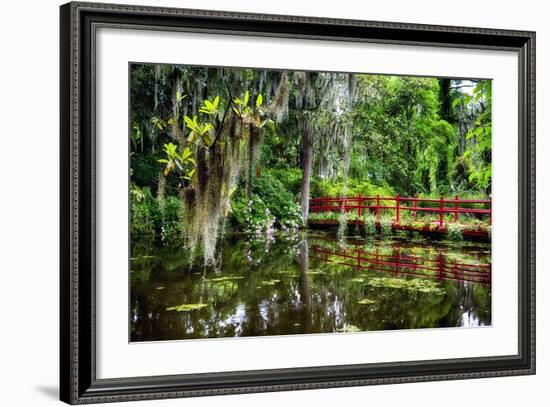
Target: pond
x=307, y=283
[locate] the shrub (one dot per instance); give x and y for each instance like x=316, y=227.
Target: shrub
x=454, y=232
x=144, y=213
x=324, y=216
x=278, y=200
x=370, y=225
x=172, y=216
x=251, y=215
x=385, y=227
x=322, y=187
x=291, y=178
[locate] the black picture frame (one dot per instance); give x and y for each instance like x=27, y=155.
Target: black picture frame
x=78, y=382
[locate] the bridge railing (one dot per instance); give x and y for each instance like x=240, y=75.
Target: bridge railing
x=405, y=264
x=362, y=204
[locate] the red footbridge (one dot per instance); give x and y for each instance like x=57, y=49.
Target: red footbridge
x=424, y=214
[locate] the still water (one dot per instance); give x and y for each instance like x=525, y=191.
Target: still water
x=307, y=283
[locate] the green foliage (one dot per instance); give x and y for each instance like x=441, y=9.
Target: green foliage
x=187, y=307
x=270, y=205
x=172, y=216
x=454, y=231
x=386, y=227
x=183, y=162
x=324, y=216
x=145, y=169
x=382, y=135
x=370, y=225
x=148, y=218
x=251, y=216
x=353, y=187
x=478, y=154
x=291, y=178
x=198, y=131
x=145, y=213
x=211, y=108
x=278, y=200
x=415, y=284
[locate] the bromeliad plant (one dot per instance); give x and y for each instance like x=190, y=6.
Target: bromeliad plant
x=183, y=163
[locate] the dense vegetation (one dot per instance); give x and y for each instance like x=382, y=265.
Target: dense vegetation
x=219, y=148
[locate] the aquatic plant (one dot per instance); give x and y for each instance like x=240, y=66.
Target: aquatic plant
x=187, y=307
x=386, y=227
x=370, y=224
x=415, y=284
x=454, y=232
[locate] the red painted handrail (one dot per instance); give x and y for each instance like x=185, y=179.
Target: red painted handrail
x=360, y=204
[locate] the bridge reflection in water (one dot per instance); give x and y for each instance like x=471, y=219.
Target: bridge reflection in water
x=402, y=265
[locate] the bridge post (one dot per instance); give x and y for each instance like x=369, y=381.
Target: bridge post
x=377, y=207
x=441, y=211
x=456, y=208
x=327, y=203
x=414, y=207
x=397, y=209
x=360, y=204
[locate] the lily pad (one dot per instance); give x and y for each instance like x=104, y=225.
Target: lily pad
x=366, y=301
x=270, y=282
x=415, y=284
x=226, y=278
x=350, y=328
x=186, y=307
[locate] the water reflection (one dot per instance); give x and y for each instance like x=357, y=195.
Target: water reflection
x=308, y=284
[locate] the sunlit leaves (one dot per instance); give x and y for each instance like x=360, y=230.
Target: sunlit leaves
x=259, y=100
x=136, y=133
x=199, y=131
x=179, y=96
x=210, y=108
x=183, y=162
x=248, y=114
x=478, y=153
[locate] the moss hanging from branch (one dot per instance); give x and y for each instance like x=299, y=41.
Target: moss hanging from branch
x=223, y=145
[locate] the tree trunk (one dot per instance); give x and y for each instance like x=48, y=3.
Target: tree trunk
x=176, y=89
x=305, y=291
x=349, y=128
x=307, y=164
x=445, y=98
x=157, y=81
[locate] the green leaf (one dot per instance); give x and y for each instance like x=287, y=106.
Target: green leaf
x=188, y=121
x=246, y=97
x=180, y=97
x=207, y=140
x=186, y=153
x=259, y=100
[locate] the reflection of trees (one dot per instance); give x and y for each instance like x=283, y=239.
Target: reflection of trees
x=305, y=294
x=284, y=293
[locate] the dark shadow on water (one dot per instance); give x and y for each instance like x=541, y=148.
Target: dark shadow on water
x=49, y=391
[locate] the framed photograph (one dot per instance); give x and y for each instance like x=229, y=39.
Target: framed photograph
x=255, y=203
